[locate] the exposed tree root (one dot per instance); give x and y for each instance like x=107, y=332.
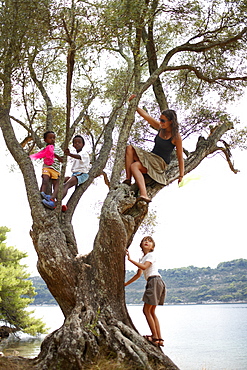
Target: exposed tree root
x=77, y=345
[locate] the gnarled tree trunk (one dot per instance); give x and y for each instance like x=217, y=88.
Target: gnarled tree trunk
x=90, y=292
x=90, y=289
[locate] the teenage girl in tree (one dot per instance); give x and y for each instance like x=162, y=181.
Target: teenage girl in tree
x=155, y=289
x=139, y=161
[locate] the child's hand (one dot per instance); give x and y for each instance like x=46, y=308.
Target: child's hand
x=58, y=157
x=127, y=254
x=66, y=151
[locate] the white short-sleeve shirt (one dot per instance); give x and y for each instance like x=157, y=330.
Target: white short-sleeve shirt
x=152, y=270
x=81, y=165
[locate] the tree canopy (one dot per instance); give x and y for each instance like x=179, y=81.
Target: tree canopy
x=190, y=53
x=16, y=292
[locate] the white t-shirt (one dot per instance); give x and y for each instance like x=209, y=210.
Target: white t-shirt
x=152, y=269
x=81, y=165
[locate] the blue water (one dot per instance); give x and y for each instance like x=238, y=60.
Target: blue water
x=201, y=337
x=197, y=337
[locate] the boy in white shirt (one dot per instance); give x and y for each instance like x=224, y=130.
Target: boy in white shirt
x=155, y=289
x=79, y=169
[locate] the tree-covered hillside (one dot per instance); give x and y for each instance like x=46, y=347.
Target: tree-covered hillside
x=43, y=294
x=226, y=283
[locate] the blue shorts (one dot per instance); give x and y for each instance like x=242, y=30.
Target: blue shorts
x=81, y=177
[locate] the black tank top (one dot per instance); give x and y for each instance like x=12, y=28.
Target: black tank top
x=163, y=148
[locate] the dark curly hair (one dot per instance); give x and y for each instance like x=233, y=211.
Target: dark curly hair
x=48, y=132
x=79, y=136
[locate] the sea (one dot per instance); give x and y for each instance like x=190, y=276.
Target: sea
x=196, y=337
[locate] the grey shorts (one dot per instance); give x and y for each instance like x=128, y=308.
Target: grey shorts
x=81, y=177
x=155, y=291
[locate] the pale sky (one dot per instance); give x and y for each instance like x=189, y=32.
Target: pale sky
x=200, y=224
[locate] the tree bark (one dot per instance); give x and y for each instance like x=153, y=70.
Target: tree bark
x=148, y=40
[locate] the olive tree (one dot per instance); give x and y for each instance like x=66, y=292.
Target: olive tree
x=61, y=60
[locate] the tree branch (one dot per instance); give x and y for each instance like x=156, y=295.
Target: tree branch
x=201, y=76
x=207, y=44
x=40, y=85
x=226, y=153
x=92, y=94
x=99, y=164
x=153, y=62
x=204, y=148
x=198, y=47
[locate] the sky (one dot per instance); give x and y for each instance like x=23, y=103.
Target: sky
x=202, y=223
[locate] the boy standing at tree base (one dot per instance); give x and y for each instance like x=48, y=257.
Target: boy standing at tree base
x=155, y=289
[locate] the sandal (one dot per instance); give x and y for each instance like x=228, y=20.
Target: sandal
x=147, y=200
x=162, y=342
x=127, y=182
x=152, y=340
x=155, y=342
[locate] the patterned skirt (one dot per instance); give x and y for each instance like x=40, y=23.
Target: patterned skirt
x=154, y=164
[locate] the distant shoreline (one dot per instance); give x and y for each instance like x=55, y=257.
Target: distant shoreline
x=185, y=286
x=165, y=304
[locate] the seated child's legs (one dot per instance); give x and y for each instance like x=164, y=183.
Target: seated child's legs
x=81, y=177
x=72, y=181
x=66, y=179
